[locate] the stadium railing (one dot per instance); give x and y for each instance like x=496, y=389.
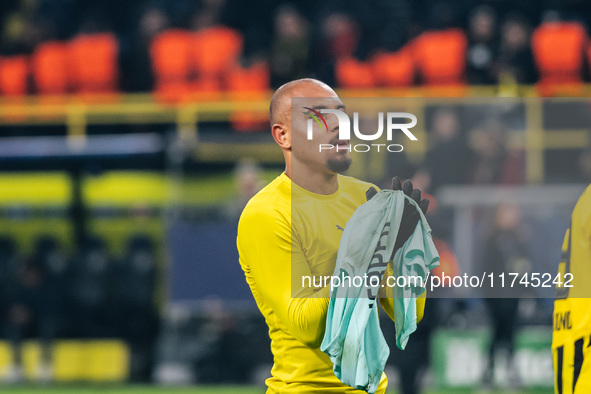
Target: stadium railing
x=76, y=113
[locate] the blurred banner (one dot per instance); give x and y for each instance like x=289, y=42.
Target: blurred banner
x=205, y=263
x=460, y=359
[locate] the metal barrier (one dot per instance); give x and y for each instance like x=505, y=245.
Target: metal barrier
x=76, y=113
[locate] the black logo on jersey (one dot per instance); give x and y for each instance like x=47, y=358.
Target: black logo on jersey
x=340, y=228
x=562, y=321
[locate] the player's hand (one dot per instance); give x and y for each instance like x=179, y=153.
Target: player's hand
x=410, y=215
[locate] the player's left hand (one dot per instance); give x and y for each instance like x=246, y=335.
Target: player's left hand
x=410, y=215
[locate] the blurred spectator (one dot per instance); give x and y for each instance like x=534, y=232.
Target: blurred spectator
x=394, y=30
x=55, y=315
x=447, y=162
x=482, y=48
x=16, y=26
x=223, y=333
x=289, y=54
x=248, y=178
x=505, y=252
x=26, y=306
x=9, y=263
x=422, y=180
x=136, y=73
x=493, y=163
x=339, y=36
x=209, y=15
x=440, y=15
x=515, y=62
x=152, y=22
x=91, y=290
x=135, y=284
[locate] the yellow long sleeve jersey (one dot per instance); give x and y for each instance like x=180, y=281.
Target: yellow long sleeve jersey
x=286, y=233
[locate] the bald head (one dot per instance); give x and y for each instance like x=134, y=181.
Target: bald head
x=280, y=107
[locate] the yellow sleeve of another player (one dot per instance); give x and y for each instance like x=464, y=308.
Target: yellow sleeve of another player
x=388, y=306
x=265, y=244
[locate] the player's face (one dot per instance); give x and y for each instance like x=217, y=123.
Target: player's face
x=324, y=152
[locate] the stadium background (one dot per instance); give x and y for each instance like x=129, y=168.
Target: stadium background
x=132, y=134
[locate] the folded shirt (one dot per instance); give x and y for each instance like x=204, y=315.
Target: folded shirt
x=353, y=338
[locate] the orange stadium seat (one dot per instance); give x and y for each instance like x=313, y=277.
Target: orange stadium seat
x=558, y=49
x=440, y=57
x=393, y=69
x=204, y=88
x=170, y=55
x=246, y=84
x=14, y=73
x=94, y=63
x=354, y=74
x=50, y=68
x=216, y=50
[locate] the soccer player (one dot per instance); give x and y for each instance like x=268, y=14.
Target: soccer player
x=280, y=238
x=571, y=339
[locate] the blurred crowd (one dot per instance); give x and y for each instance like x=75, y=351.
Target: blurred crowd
x=479, y=151
x=453, y=160
x=211, y=45
x=51, y=294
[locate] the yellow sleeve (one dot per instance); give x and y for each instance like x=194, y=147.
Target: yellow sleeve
x=388, y=305
x=387, y=301
x=265, y=246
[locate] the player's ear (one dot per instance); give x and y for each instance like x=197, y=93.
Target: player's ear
x=281, y=135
